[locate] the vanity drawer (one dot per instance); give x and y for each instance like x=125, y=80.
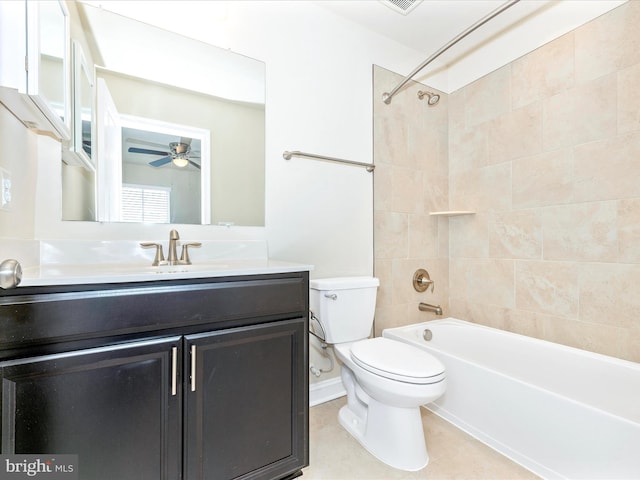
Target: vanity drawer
x=44, y=315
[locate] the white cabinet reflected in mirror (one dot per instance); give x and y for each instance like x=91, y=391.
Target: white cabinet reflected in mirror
x=48, y=61
x=189, y=120
x=82, y=106
x=34, y=64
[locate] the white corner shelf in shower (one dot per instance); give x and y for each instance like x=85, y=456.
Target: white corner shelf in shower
x=452, y=213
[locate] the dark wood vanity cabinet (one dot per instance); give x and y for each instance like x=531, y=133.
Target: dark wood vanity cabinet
x=112, y=407
x=220, y=392
x=244, y=374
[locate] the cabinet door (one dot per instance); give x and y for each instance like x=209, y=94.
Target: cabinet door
x=246, y=402
x=114, y=407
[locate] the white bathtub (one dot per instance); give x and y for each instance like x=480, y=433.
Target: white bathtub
x=559, y=411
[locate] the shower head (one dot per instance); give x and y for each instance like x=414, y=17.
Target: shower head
x=433, y=98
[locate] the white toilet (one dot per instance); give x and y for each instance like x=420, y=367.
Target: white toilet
x=386, y=381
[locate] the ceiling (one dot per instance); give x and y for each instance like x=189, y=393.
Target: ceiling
x=433, y=23
x=429, y=25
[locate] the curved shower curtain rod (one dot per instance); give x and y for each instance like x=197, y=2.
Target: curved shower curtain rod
x=386, y=97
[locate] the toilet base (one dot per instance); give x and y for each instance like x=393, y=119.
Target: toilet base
x=393, y=435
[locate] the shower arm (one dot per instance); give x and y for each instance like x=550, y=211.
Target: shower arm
x=386, y=97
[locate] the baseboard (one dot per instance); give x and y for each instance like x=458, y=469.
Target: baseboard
x=325, y=391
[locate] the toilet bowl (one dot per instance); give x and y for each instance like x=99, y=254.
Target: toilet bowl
x=386, y=381
x=393, y=374
x=386, y=384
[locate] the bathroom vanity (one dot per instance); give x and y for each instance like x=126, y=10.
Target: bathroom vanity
x=203, y=377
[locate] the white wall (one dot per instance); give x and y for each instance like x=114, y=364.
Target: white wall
x=19, y=151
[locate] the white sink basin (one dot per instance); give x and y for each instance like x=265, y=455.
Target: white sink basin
x=200, y=267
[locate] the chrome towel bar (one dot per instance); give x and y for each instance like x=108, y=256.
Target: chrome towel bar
x=288, y=154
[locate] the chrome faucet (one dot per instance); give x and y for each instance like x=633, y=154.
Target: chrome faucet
x=426, y=307
x=174, y=236
x=172, y=259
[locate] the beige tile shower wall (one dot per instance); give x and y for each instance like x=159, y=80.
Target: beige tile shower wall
x=411, y=180
x=547, y=151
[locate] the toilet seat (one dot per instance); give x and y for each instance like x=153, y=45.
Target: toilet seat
x=397, y=361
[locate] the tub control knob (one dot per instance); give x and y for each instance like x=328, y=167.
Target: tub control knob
x=427, y=334
x=10, y=274
x=422, y=281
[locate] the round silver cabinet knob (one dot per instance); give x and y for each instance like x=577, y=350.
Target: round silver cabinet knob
x=10, y=274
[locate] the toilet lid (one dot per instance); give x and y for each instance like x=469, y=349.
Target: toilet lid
x=397, y=361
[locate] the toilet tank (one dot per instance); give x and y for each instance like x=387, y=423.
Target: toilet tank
x=343, y=306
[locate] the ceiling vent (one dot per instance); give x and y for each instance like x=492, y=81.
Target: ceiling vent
x=401, y=6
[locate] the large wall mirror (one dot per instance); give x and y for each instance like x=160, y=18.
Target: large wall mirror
x=177, y=132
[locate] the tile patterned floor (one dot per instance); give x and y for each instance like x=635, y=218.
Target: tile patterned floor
x=335, y=455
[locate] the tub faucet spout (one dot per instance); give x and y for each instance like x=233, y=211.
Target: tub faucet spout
x=426, y=307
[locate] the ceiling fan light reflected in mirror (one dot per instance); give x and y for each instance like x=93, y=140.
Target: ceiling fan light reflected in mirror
x=180, y=161
x=180, y=148
x=179, y=154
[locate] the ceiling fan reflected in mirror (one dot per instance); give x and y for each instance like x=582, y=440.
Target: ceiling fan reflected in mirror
x=178, y=154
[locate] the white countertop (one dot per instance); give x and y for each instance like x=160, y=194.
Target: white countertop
x=61, y=274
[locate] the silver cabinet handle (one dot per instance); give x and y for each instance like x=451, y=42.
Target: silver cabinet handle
x=193, y=368
x=174, y=370
x=10, y=274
